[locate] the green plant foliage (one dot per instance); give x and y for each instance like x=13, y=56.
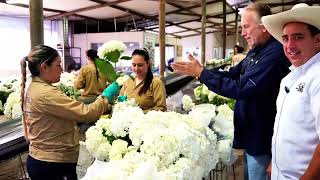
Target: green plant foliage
x=69, y=91
x=105, y=66
x=113, y=56
x=220, y=100
x=4, y=96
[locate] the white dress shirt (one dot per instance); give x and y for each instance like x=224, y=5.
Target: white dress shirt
x=297, y=126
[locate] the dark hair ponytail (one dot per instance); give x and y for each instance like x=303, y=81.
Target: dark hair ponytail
x=149, y=75
x=23, y=65
x=93, y=54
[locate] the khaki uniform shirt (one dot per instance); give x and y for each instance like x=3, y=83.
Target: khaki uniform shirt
x=87, y=80
x=153, y=99
x=237, y=58
x=51, y=118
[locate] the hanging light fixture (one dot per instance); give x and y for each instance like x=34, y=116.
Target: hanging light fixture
x=17, y=1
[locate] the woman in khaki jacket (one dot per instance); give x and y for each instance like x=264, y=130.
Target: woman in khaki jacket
x=90, y=79
x=148, y=91
x=49, y=117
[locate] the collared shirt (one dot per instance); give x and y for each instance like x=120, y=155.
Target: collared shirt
x=297, y=126
x=51, y=118
x=254, y=84
x=153, y=99
x=87, y=80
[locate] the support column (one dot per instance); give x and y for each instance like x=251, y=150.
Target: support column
x=36, y=22
x=162, y=36
x=224, y=35
x=203, y=31
x=237, y=26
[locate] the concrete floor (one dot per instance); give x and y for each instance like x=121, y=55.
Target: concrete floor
x=14, y=168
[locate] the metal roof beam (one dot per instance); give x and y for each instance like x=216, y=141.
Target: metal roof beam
x=105, y=4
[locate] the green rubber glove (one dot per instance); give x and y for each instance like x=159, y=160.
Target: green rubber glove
x=122, y=98
x=111, y=91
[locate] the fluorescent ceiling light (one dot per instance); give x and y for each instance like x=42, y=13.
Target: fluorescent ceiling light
x=17, y=1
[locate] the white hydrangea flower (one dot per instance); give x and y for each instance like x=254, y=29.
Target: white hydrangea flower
x=226, y=112
x=122, y=79
x=211, y=95
x=16, y=85
x=66, y=79
x=197, y=92
x=5, y=89
x=162, y=145
x=11, y=84
x=187, y=103
x=211, y=61
x=121, y=121
x=110, y=46
x=224, y=148
x=13, y=99
x=205, y=90
x=102, y=152
x=120, y=106
x=224, y=121
x=16, y=111
x=204, y=113
x=145, y=170
x=94, y=139
x=118, y=149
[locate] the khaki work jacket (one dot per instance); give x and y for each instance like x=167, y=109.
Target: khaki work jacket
x=51, y=118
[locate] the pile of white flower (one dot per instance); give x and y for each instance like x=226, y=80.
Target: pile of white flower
x=66, y=79
x=12, y=89
x=156, y=145
x=66, y=85
x=12, y=108
x=223, y=125
x=214, y=61
x=223, y=121
x=10, y=94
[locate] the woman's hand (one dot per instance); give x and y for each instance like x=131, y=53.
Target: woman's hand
x=122, y=98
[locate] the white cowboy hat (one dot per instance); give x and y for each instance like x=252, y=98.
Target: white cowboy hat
x=299, y=13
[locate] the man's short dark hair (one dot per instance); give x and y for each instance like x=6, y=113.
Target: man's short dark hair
x=313, y=30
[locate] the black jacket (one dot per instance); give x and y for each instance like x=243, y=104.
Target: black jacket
x=254, y=83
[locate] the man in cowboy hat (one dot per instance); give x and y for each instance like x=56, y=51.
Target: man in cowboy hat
x=296, y=138
x=254, y=83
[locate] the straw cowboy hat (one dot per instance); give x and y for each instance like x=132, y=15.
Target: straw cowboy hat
x=299, y=13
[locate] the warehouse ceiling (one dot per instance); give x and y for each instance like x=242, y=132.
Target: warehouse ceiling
x=183, y=17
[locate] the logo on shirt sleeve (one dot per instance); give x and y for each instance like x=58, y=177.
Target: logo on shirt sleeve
x=300, y=87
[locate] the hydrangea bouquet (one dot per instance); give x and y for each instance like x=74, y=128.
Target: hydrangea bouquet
x=110, y=52
x=161, y=145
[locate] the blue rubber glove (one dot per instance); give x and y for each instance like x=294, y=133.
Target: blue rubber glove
x=122, y=98
x=111, y=91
